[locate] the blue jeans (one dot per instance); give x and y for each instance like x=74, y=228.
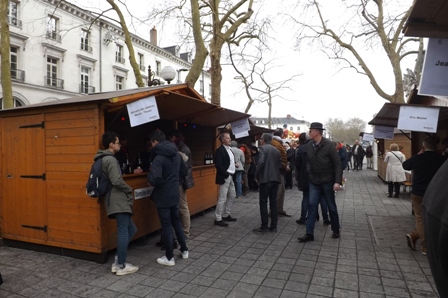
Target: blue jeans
x=239, y=183
x=268, y=191
x=305, y=205
x=316, y=192
x=169, y=219
x=125, y=231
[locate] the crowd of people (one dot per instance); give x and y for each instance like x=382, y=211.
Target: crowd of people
x=314, y=163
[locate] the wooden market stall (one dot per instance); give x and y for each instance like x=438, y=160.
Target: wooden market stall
x=47, y=150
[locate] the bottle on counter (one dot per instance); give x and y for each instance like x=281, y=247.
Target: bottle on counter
x=139, y=161
x=128, y=165
x=206, y=160
x=211, y=157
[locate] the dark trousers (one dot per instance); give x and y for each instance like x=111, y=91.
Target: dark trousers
x=288, y=180
x=268, y=191
x=357, y=162
x=391, y=186
x=169, y=219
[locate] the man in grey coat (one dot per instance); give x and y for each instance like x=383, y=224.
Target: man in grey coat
x=267, y=174
x=119, y=202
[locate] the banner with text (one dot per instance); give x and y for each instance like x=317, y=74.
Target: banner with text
x=383, y=132
x=418, y=118
x=435, y=69
x=240, y=127
x=143, y=111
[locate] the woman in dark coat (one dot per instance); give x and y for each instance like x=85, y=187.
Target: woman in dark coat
x=253, y=185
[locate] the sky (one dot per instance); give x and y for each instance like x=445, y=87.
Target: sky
x=321, y=91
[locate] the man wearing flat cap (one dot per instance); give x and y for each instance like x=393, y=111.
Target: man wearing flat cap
x=325, y=176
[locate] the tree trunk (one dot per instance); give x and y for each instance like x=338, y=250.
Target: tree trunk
x=5, y=53
x=128, y=41
x=201, y=52
x=216, y=70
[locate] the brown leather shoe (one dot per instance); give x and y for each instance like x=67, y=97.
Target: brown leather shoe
x=283, y=213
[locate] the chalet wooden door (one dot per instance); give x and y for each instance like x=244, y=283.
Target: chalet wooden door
x=24, y=190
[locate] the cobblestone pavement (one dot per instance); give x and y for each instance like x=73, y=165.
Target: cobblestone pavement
x=371, y=259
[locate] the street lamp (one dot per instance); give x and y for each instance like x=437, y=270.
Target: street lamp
x=151, y=80
x=168, y=74
x=178, y=74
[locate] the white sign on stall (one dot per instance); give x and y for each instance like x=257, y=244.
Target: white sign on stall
x=435, y=69
x=383, y=132
x=143, y=111
x=241, y=127
x=242, y=134
x=418, y=118
x=368, y=137
x=141, y=193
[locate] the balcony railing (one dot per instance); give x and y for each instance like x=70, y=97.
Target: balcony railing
x=14, y=21
x=54, y=36
x=142, y=67
x=86, y=89
x=54, y=83
x=86, y=48
x=17, y=75
x=119, y=59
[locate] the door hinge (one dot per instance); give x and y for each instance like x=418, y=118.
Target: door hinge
x=44, y=228
x=43, y=176
x=34, y=125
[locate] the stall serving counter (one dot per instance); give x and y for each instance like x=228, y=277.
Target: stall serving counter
x=43, y=202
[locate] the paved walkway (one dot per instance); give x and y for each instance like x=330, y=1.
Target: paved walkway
x=370, y=259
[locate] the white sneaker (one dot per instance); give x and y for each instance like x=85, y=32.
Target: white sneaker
x=164, y=261
x=114, y=268
x=184, y=254
x=128, y=269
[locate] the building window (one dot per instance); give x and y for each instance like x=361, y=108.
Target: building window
x=16, y=103
x=262, y=121
x=141, y=61
x=53, y=28
x=201, y=87
x=119, y=54
x=119, y=82
x=85, y=81
x=85, y=41
x=14, y=60
x=158, y=68
x=210, y=89
x=12, y=14
x=291, y=128
x=298, y=128
x=52, y=79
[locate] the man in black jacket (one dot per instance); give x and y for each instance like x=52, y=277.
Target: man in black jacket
x=225, y=169
x=166, y=169
x=424, y=166
x=325, y=176
x=435, y=208
x=186, y=183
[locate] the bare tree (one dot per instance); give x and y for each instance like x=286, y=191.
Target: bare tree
x=5, y=53
x=345, y=131
x=128, y=42
x=258, y=85
x=212, y=23
x=368, y=24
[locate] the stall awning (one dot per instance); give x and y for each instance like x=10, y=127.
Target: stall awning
x=389, y=113
x=176, y=102
x=428, y=18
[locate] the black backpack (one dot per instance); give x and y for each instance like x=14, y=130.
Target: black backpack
x=97, y=185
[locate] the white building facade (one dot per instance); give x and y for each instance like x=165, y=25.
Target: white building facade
x=290, y=123
x=60, y=50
